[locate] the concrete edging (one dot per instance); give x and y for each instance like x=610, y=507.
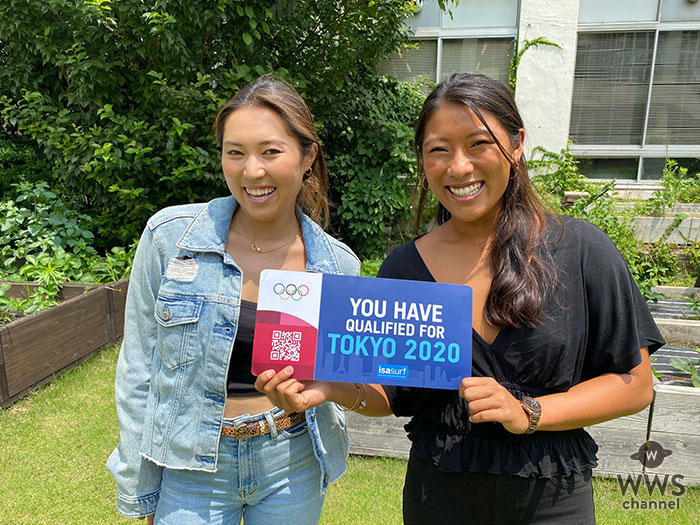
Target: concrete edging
x=682, y=332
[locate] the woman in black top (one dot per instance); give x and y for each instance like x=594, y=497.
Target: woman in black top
x=561, y=335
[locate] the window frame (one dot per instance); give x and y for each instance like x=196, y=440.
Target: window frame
x=644, y=150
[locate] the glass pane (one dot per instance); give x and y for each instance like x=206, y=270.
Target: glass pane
x=680, y=11
x=674, y=117
x=611, y=168
x=490, y=56
x=411, y=63
x=611, y=85
x=482, y=13
x=428, y=16
x=653, y=169
x=592, y=11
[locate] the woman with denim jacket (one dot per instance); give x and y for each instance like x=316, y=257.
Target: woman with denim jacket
x=198, y=444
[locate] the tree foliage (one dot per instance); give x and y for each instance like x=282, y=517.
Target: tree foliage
x=120, y=96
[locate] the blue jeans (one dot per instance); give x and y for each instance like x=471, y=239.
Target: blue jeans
x=265, y=479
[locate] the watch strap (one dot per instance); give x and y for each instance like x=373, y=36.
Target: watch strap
x=533, y=410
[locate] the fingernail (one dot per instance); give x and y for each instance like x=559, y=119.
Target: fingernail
x=288, y=370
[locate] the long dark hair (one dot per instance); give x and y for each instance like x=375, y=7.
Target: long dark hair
x=521, y=265
x=279, y=96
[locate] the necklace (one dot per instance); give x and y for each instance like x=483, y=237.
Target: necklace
x=254, y=247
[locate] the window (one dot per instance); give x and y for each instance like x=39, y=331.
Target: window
x=636, y=94
x=490, y=56
x=412, y=63
x=674, y=111
x=477, y=38
x=611, y=86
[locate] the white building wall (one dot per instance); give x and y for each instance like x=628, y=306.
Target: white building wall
x=546, y=74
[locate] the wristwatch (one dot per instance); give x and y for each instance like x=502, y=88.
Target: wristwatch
x=533, y=410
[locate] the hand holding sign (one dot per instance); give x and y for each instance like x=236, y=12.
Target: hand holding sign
x=290, y=394
x=358, y=329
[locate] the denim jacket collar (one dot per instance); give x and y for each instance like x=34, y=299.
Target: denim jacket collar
x=208, y=232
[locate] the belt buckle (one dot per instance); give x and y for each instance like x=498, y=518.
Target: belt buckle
x=237, y=430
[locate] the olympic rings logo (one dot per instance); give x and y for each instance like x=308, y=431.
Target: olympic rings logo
x=291, y=291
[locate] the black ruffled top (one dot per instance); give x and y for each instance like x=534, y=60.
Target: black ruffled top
x=594, y=323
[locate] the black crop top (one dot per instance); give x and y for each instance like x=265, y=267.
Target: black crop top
x=595, y=324
x=240, y=379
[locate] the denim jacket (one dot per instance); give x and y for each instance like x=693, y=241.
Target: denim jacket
x=180, y=324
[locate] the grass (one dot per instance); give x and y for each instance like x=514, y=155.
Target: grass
x=54, y=443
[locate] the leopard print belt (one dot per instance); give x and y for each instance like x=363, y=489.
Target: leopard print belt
x=260, y=427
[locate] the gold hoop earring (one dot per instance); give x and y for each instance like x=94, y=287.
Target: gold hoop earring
x=307, y=174
x=424, y=183
x=512, y=173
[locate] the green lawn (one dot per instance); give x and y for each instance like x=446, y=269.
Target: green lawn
x=54, y=443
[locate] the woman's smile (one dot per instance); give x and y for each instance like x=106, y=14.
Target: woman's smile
x=259, y=194
x=466, y=192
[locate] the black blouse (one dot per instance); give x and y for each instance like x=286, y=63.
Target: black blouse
x=595, y=322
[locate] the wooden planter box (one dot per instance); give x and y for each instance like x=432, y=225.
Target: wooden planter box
x=35, y=348
x=675, y=424
x=673, y=421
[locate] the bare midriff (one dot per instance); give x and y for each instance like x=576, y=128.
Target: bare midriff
x=236, y=406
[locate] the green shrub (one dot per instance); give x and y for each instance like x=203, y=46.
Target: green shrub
x=35, y=225
x=678, y=185
x=43, y=240
x=691, y=252
x=554, y=173
x=374, y=180
x=120, y=96
x=21, y=160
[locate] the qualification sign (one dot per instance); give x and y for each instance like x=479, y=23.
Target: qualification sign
x=364, y=330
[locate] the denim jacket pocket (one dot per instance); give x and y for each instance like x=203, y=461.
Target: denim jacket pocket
x=177, y=330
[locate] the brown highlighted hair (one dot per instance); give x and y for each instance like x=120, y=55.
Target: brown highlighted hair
x=279, y=96
x=521, y=265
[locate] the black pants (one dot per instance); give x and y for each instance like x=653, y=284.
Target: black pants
x=431, y=496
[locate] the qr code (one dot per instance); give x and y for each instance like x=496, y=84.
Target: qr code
x=285, y=345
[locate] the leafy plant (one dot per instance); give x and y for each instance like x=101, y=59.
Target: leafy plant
x=120, y=96
x=517, y=57
x=370, y=267
x=6, y=304
x=680, y=186
x=691, y=252
x=693, y=307
x=690, y=366
x=36, y=222
x=377, y=178
x=115, y=266
x=677, y=187
x=37, y=299
x=43, y=240
x=20, y=160
x=555, y=173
